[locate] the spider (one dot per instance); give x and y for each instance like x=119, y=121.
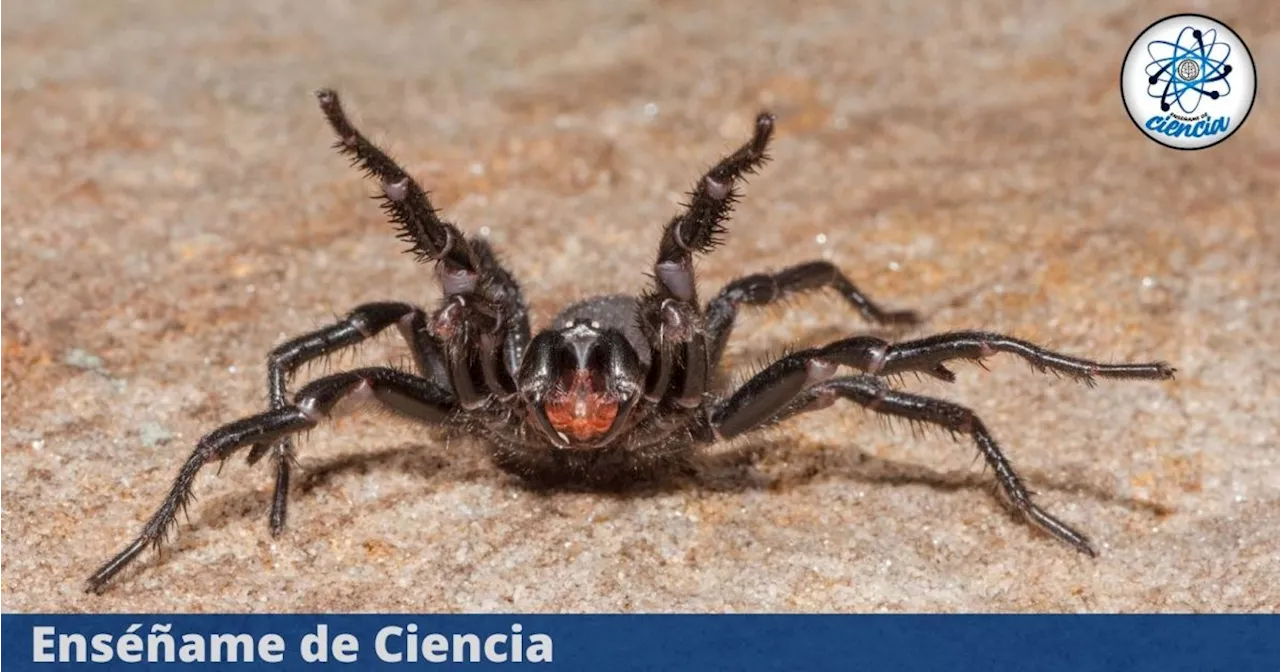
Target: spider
x=617, y=387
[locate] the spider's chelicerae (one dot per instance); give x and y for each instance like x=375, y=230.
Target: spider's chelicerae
x=618, y=387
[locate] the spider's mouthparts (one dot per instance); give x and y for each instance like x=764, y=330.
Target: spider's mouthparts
x=578, y=411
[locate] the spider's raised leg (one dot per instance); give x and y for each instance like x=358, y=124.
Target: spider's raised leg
x=762, y=289
x=362, y=323
x=429, y=237
x=407, y=394
x=483, y=318
x=669, y=312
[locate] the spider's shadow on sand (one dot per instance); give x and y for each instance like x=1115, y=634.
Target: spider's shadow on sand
x=737, y=469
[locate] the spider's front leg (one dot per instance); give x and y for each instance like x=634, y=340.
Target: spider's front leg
x=803, y=382
x=669, y=312
x=362, y=323
x=404, y=393
x=484, y=318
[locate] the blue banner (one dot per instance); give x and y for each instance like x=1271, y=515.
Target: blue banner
x=640, y=642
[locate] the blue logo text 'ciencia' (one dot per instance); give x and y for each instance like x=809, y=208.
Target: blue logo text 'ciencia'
x=1176, y=128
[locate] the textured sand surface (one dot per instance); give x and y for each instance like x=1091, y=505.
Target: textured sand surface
x=172, y=209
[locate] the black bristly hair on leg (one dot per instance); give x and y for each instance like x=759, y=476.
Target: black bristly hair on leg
x=364, y=322
x=803, y=382
x=405, y=393
x=763, y=289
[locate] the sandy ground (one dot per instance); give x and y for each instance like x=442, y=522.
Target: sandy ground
x=172, y=209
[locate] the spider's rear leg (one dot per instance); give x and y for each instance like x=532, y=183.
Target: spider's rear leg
x=404, y=393
x=929, y=355
x=875, y=395
x=362, y=323
x=803, y=381
x=798, y=385
x=762, y=289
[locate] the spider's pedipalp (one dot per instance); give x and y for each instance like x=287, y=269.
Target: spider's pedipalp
x=500, y=287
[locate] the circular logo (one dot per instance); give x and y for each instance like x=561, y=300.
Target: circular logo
x=1188, y=81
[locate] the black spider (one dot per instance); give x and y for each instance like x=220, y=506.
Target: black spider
x=618, y=387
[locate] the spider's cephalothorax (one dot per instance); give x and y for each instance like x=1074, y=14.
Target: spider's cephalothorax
x=617, y=387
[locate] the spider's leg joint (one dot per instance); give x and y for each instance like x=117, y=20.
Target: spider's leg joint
x=458, y=281
x=819, y=370
x=308, y=408
x=678, y=320
x=396, y=191
x=877, y=356
x=717, y=189
x=677, y=277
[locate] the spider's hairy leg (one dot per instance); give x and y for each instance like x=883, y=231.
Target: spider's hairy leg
x=798, y=384
x=483, y=318
x=803, y=381
x=765, y=396
x=930, y=354
x=762, y=289
x=363, y=322
x=700, y=227
x=404, y=393
x=669, y=312
x=875, y=395
x=429, y=237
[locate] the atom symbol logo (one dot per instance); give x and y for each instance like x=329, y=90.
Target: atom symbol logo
x=1187, y=70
